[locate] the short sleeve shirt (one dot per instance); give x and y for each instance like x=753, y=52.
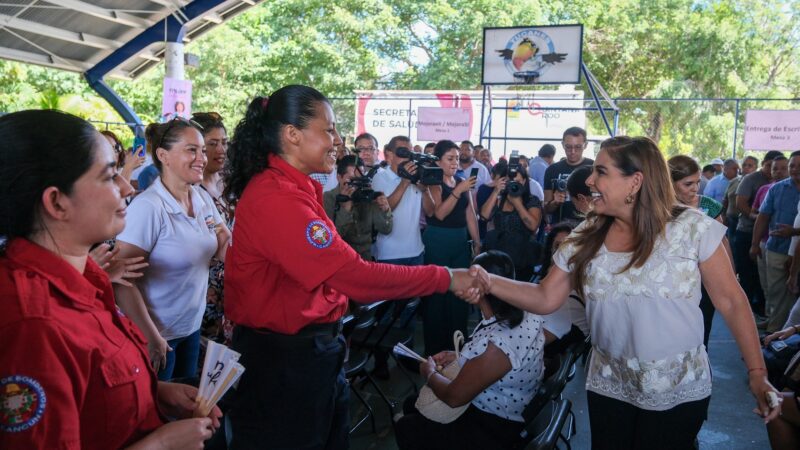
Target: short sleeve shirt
x=483, y=174
x=523, y=345
x=180, y=249
x=646, y=323
x=405, y=240
x=795, y=239
x=561, y=171
x=781, y=205
x=748, y=188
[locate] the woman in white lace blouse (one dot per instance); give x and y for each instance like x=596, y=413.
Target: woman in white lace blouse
x=638, y=259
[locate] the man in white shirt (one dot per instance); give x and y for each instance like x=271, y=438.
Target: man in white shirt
x=403, y=246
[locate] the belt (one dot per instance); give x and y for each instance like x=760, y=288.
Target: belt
x=311, y=330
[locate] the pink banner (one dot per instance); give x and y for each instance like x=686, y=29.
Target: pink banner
x=772, y=130
x=177, y=99
x=435, y=124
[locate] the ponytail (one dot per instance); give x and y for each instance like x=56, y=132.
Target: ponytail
x=258, y=134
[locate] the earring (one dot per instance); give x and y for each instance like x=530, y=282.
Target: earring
x=629, y=199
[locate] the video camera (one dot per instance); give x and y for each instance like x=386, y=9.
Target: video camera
x=513, y=188
x=363, y=185
x=428, y=173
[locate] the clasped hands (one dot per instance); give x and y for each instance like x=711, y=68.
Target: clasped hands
x=471, y=284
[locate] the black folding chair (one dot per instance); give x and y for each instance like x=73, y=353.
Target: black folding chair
x=382, y=336
x=545, y=430
x=356, y=360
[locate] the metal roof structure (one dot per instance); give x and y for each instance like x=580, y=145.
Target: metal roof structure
x=99, y=38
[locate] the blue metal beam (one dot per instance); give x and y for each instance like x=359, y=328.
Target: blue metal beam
x=174, y=33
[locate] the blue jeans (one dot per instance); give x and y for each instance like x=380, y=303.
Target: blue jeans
x=182, y=360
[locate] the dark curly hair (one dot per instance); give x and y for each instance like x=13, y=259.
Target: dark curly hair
x=499, y=263
x=257, y=135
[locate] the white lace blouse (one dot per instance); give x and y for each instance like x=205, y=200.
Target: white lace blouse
x=647, y=327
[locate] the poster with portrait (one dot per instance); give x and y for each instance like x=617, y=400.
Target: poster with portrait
x=177, y=99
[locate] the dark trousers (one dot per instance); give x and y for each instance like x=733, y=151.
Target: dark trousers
x=443, y=314
x=293, y=394
x=707, y=308
x=617, y=425
x=747, y=270
x=474, y=429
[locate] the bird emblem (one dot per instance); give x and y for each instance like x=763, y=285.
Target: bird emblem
x=527, y=50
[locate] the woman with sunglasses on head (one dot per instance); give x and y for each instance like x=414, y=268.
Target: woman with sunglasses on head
x=639, y=261
x=127, y=161
x=288, y=277
x=74, y=371
x=176, y=227
x=215, y=135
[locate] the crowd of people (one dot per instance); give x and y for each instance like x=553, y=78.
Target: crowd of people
x=265, y=242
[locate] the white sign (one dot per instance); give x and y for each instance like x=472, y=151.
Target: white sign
x=542, y=54
x=543, y=115
x=436, y=124
x=772, y=130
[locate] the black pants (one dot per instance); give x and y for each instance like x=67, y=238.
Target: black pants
x=474, y=429
x=708, y=309
x=748, y=270
x=617, y=425
x=293, y=394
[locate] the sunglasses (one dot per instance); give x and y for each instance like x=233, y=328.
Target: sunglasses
x=187, y=122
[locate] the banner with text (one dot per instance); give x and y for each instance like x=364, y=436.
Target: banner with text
x=436, y=124
x=177, y=99
x=772, y=130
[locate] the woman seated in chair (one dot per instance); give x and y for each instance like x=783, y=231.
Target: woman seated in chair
x=501, y=369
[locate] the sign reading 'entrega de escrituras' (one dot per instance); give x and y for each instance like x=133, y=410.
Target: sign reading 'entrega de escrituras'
x=772, y=130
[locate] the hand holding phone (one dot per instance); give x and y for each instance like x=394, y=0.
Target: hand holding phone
x=474, y=172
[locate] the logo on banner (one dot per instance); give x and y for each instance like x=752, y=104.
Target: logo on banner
x=318, y=234
x=530, y=53
x=22, y=403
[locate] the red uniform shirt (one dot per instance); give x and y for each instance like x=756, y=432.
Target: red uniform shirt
x=287, y=267
x=73, y=373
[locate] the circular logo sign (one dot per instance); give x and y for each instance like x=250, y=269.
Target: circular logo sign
x=523, y=53
x=22, y=403
x=318, y=234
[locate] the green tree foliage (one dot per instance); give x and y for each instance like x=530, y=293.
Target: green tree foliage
x=635, y=48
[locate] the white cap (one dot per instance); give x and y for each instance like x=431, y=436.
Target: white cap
x=717, y=161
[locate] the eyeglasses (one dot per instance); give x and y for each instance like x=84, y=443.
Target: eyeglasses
x=366, y=149
x=188, y=122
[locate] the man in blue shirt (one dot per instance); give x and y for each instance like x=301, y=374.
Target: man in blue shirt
x=717, y=186
x=779, y=207
x=539, y=165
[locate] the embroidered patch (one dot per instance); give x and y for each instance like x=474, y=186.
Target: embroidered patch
x=210, y=223
x=22, y=403
x=318, y=234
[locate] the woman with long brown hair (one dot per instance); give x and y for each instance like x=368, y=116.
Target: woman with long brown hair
x=638, y=260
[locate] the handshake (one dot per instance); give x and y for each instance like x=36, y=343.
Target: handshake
x=471, y=284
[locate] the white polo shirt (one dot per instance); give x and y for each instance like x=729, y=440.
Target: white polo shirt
x=405, y=240
x=181, y=247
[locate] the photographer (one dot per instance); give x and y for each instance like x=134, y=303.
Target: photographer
x=358, y=212
x=516, y=215
x=556, y=198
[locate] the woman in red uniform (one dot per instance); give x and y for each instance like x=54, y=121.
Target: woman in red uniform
x=288, y=276
x=74, y=372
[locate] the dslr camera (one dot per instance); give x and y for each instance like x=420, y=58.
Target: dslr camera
x=560, y=183
x=428, y=173
x=514, y=188
x=364, y=192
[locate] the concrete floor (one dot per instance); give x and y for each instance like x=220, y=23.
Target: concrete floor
x=731, y=424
